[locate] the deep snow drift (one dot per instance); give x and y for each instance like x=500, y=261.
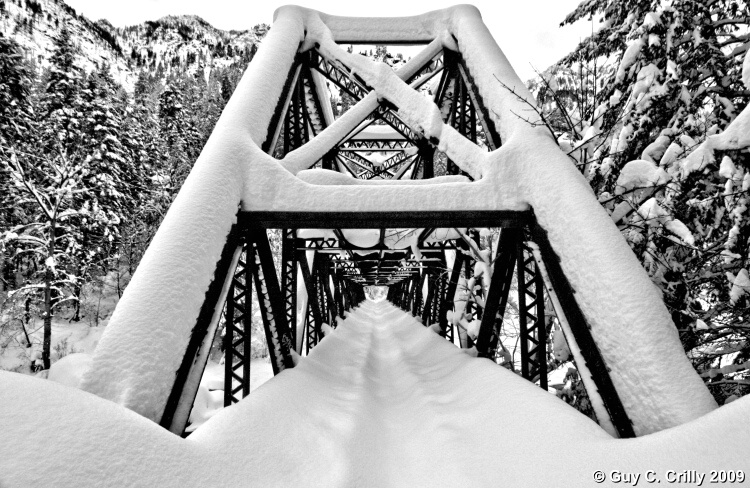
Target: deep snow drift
x=382, y=401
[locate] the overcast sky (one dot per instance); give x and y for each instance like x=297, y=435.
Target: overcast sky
x=526, y=30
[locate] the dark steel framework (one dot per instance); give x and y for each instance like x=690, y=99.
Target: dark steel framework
x=328, y=276
x=300, y=110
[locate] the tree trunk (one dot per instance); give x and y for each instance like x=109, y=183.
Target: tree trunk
x=47, y=318
x=48, y=277
x=77, y=294
x=26, y=320
x=2, y=278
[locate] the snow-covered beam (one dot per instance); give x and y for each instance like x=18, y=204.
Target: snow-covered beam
x=417, y=29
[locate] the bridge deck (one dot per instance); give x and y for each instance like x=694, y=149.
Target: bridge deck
x=381, y=402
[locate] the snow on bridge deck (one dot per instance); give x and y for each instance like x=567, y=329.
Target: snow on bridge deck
x=381, y=402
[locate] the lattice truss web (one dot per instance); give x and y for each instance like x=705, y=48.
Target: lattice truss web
x=383, y=145
x=384, y=194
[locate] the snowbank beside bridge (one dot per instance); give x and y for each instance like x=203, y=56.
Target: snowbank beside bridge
x=382, y=401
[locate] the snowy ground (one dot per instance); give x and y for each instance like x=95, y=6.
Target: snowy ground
x=67, y=338
x=209, y=399
x=382, y=401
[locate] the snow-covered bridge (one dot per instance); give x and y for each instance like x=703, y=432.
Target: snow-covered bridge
x=391, y=193
x=280, y=156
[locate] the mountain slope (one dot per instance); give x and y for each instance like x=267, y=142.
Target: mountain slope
x=160, y=46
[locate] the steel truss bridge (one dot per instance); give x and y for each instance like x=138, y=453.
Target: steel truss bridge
x=333, y=280
x=250, y=175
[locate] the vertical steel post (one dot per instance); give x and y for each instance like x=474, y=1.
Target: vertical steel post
x=497, y=297
x=533, y=338
x=289, y=278
x=270, y=301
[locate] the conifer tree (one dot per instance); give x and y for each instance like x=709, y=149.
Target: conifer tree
x=16, y=116
x=663, y=79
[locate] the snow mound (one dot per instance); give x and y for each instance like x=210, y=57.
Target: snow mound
x=69, y=370
x=378, y=403
x=63, y=437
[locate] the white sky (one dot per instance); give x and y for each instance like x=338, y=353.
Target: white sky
x=526, y=30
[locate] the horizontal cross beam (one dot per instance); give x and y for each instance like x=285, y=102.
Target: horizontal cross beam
x=388, y=220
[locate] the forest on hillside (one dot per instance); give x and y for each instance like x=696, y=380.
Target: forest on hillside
x=88, y=169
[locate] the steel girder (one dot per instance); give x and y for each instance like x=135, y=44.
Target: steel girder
x=301, y=109
x=582, y=334
x=238, y=332
x=313, y=314
x=416, y=308
x=289, y=279
x=270, y=301
x=297, y=120
x=497, y=297
x=187, y=378
x=393, y=145
x=533, y=332
x=334, y=286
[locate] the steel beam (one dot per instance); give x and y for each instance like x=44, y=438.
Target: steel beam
x=270, y=301
x=187, y=378
x=497, y=297
x=379, y=220
x=533, y=332
x=289, y=279
x=238, y=332
x=582, y=334
x=313, y=316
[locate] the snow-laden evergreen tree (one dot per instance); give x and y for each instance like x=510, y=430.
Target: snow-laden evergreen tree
x=16, y=122
x=44, y=181
x=103, y=197
x=655, y=122
x=111, y=156
x=15, y=118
